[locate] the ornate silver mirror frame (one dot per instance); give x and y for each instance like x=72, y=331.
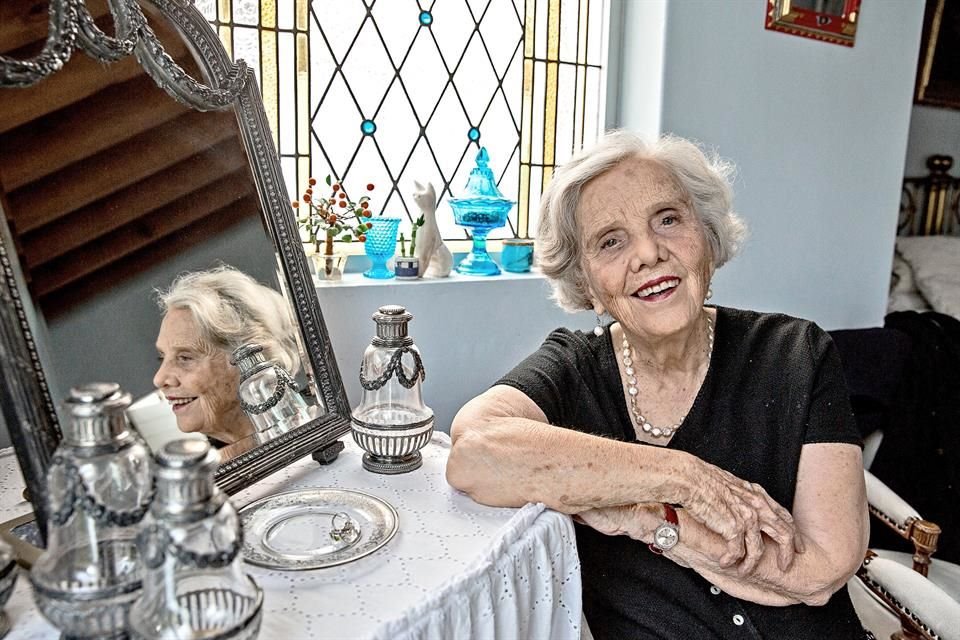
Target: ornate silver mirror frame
x=26, y=406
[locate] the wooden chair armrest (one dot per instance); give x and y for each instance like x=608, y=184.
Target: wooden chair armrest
x=889, y=507
x=896, y=513
x=925, y=610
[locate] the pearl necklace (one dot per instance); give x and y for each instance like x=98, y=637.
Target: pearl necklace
x=632, y=391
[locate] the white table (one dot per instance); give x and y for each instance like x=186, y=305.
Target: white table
x=455, y=569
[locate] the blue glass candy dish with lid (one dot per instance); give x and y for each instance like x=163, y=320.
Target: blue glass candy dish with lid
x=481, y=209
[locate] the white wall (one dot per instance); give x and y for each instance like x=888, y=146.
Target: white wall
x=637, y=30
x=819, y=133
x=933, y=130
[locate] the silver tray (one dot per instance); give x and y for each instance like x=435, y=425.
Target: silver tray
x=295, y=530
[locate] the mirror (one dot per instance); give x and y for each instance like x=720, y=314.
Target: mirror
x=832, y=21
x=110, y=188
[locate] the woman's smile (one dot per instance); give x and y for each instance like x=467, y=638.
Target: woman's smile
x=180, y=404
x=658, y=289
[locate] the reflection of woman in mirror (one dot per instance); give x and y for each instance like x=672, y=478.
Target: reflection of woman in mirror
x=207, y=314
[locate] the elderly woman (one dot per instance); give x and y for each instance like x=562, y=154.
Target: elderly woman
x=709, y=454
x=208, y=314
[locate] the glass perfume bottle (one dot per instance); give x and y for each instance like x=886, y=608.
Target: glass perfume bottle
x=391, y=423
x=99, y=487
x=193, y=586
x=268, y=395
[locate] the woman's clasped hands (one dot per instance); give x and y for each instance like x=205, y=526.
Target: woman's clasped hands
x=725, y=520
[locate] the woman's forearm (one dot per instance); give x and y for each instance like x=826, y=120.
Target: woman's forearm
x=811, y=578
x=510, y=461
x=505, y=454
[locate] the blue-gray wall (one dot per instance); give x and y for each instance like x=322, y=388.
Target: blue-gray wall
x=470, y=330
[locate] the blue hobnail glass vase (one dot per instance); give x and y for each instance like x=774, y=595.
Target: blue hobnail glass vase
x=380, y=246
x=481, y=209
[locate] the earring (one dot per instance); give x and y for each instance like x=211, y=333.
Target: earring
x=598, y=330
x=709, y=293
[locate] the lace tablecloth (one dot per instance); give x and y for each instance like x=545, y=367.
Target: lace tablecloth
x=455, y=569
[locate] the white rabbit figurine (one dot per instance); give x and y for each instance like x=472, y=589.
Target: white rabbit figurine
x=435, y=258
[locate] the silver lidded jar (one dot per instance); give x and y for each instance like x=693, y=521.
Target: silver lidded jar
x=8, y=578
x=194, y=585
x=99, y=487
x=267, y=393
x=391, y=423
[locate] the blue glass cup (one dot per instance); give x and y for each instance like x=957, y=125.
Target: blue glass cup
x=380, y=246
x=517, y=255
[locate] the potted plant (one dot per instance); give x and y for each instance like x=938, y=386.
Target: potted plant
x=334, y=218
x=407, y=267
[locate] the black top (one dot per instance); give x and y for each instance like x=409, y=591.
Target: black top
x=774, y=384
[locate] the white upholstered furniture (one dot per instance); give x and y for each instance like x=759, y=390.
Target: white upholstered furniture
x=904, y=594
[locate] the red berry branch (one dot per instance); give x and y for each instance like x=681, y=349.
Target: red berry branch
x=335, y=217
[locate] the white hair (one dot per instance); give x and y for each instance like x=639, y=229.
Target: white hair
x=704, y=177
x=232, y=309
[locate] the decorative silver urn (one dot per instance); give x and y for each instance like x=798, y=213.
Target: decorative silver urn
x=99, y=487
x=194, y=586
x=267, y=393
x=391, y=423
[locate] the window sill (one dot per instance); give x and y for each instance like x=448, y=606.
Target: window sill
x=357, y=280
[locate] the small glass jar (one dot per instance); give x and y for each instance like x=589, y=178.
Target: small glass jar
x=194, y=586
x=99, y=487
x=517, y=255
x=392, y=423
x=268, y=395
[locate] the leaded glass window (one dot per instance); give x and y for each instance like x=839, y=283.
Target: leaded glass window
x=392, y=91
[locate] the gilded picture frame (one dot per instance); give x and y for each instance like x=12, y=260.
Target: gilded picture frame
x=833, y=21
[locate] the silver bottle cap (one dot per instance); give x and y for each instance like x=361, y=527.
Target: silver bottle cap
x=97, y=414
x=392, y=320
x=249, y=359
x=185, y=471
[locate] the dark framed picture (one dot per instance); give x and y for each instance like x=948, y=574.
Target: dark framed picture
x=938, y=75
